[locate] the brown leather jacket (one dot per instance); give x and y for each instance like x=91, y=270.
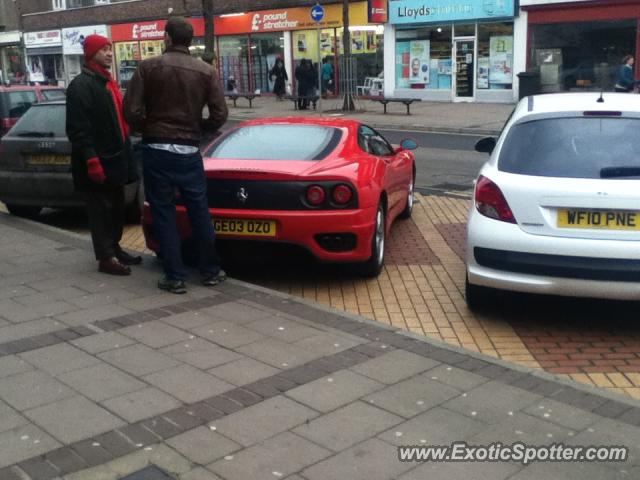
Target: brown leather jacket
x=166, y=95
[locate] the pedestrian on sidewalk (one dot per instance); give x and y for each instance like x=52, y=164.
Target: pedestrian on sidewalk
x=625, y=81
x=279, y=74
x=327, y=77
x=306, y=83
x=164, y=101
x=102, y=160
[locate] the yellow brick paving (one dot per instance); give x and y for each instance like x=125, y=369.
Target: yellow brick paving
x=424, y=299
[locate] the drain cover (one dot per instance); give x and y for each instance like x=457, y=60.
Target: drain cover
x=149, y=473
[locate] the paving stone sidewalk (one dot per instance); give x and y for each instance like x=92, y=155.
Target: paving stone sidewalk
x=102, y=376
x=465, y=118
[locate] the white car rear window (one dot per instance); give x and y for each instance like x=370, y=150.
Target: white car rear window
x=572, y=147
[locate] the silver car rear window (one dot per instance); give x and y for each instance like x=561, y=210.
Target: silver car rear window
x=45, y=120
x=571, y=147
x=277, y=142
x=19, y=101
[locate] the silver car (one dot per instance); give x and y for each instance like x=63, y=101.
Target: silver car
x=35, y=165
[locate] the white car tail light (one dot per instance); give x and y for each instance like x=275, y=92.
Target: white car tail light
x=490, y=201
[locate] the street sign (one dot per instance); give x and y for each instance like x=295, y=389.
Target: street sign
x=317, y=13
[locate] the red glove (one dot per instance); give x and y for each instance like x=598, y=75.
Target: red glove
x=95, y=171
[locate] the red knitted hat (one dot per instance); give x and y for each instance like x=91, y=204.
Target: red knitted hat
x=92, y=44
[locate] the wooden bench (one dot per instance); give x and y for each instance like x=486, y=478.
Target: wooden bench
x=249, y=96
x=313, y=99
x=386, y=100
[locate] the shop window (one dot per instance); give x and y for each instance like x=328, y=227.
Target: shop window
x=464, y=30
x=266, y=48
x=197, y=47
x=127, y=58
x=15, y=71
x=581, y=55
x=495, y=56
x=423, y=58
x=367, y=48
x=305, y=45
x=234, y=62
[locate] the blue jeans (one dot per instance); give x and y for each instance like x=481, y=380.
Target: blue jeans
x=164, y=173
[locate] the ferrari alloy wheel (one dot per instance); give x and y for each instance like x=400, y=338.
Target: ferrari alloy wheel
x=408, y=209
x=373, y=266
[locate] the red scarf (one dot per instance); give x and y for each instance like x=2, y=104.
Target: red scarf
x=112, y=86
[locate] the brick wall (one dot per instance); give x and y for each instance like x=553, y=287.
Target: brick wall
x=8, y=16
x=131, y=11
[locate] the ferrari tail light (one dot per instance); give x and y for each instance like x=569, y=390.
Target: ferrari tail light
x=490, y=201
x=342, y=194
x=315, y=195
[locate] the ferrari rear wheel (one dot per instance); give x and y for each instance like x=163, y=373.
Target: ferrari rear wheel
x=408, y=209
x=373, y=266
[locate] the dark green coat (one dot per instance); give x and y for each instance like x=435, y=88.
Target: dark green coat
x=94, y=131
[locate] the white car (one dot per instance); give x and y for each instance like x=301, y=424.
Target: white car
x=557, y=206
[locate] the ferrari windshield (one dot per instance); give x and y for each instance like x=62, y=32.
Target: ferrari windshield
x=277, y=142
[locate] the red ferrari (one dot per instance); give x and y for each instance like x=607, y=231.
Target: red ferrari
x=333, y=187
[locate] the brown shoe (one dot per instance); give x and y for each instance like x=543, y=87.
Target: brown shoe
x=113, y=267
x=128, y=259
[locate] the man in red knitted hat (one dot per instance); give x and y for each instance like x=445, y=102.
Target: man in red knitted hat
x=101, y=157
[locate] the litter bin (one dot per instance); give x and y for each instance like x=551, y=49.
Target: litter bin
x=529, y=83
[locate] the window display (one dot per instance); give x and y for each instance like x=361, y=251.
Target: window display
x=423, y=58
x=266, y=48
x=234, y=61
x=495, y=56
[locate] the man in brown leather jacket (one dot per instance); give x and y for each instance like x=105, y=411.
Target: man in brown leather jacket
x=164, y=101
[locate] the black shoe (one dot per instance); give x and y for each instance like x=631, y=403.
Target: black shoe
x=173, y=286
x=112, y=266
x=215, y=279
x=128, y=259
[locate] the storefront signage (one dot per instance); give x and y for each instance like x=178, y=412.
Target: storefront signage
x=429, y=11
x=8, y=38
x=72, y=38
x=49, y=38
x=288, y=19
x=149, y=30
x=378, y=11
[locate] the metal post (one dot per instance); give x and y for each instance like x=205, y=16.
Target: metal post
x=319, y=70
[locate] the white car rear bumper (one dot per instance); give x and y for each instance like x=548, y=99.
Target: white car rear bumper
x=587, y=276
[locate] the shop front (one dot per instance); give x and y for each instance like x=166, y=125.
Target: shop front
x=72, y=39
x=451, y=50
x=11, y=58
x=249, y=44
x=44, y=57
x=134, y=42
x=578, y=47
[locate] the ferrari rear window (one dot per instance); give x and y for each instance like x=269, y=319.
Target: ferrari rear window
x=572, y=147
x=277, y=142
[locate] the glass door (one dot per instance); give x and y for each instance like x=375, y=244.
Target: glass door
x=463, y=89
